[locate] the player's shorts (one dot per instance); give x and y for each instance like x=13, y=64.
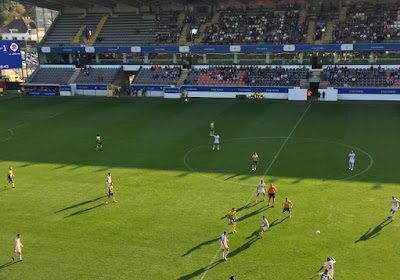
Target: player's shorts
x=10, y=179
x=224, y=247
x=394, y=209
x=271, y=195
x=254, y=162
x=232, y=220
x=98, y=143
x=286, y=210
x=108, y=184
x=110, y=194
x=259, y=192
x=216, y=142
x=212, y=129
x=18, y=250
x=264, y=228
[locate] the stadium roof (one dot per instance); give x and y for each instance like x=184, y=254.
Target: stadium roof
x=61, y=4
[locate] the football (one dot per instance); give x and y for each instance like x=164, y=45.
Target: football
x=317, y=232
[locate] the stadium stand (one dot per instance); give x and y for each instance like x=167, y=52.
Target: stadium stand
x=356, y=77
x=369, y=23
x=51, y=75
x=257, y=26
x=66, y=27
x=157, y=75
x=247, y=76
x=89, y=75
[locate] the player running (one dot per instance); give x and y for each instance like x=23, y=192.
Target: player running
x=260, y=189
x=108, y=181
x=394, y=208
x=224, y=245
x=352, y=159
x=264, y=226
x=110, y=194
x=328, y=265
x=18, y=248
x=99, y=144
x=287, y=206
x=216, y=142
x=10, y=177
x=271, y=194
x=254, y=161
x=324, y=275
x=212, y=128
x=232, y=217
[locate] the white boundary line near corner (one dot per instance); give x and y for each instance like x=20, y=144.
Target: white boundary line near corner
x=265, y=173
x=10, y=136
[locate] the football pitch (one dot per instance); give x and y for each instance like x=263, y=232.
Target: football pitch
x=173, y=190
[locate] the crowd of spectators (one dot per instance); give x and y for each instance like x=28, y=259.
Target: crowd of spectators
x=166, y=29
x=369, y=23
x=353, y=77
x=265, y=27
x=166, y=73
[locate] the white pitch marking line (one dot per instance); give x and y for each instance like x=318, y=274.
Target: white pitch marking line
x=265, y=173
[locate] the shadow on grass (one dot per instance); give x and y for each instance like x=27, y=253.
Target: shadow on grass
x=5, y=189
x=8, y=264
x=256, y=212
x=252, y=239
x=80, y=204
x=277, y=222
x=200, y=245
x=84, y=210
x=200, y=271
x=231, y=177
x=373, y=233
x=242, y=208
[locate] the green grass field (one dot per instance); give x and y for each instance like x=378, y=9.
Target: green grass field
x=173, y=190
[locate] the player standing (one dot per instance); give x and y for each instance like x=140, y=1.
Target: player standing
x=212, y=128
x=324, y=275
x=271, y=194
x=18, y=248
x=328, y=265
x=254, y=161
x=108, y=181
x=99, y=144
x=394, y=208
x=10, y=177
x=232, y=217
x=352, y=159
x=264, y=226
x=260, y=189
x=216, y=142
x=110, y=194
x=224, y=245
x=287, y=206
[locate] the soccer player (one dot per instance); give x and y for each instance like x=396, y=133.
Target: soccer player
x=328, y=265
x=232, y=217
x=287, y=206
x=271, y=194
x=394, y=208
x=99, y=144
x=212, y=128
x=254, y=161
x=10, y=177
x=324, y=275
x=216, y=142
x=17, y=248
x=224, y=245
x=260, y=189
x=264, y=226
x=110, y=194
x=352, y=159
x=108, y=181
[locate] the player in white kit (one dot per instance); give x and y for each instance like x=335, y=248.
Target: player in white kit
x=329, y=266
x=260, y=189
x=108, y=181
x=394, y=208
x=224, y=245
x=216, y=142
x=352, y=159
x=264, y=226
x=18, y=248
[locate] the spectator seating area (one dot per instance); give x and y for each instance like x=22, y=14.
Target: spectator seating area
x=369, y=23
x=136, y=29
x=356, y=77
x=66, y=27
x=97, y=76
x=157, y=75
x=246, y=76
x=257, y=26
x=58, y=76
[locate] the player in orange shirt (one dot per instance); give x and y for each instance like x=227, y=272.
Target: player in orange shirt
x=271, y=194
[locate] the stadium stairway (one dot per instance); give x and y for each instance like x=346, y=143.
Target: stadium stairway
x=181, y=18
x=328, y=32
x=185, y=30
x=182, y=78
x=74, y=76
x=97, y=30
x=199, y=36
x=303, y=14
x=310, y=31
x=77, y=38
x=343, y=14
x=215, y=18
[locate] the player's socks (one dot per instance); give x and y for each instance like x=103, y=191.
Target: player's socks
x=226, y=254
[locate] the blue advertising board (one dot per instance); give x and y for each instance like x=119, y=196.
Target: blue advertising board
x=39, y=92
x=149, y=87
x=10, y=55
x=368, y=90
x=93, y=87
x=237, y=89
